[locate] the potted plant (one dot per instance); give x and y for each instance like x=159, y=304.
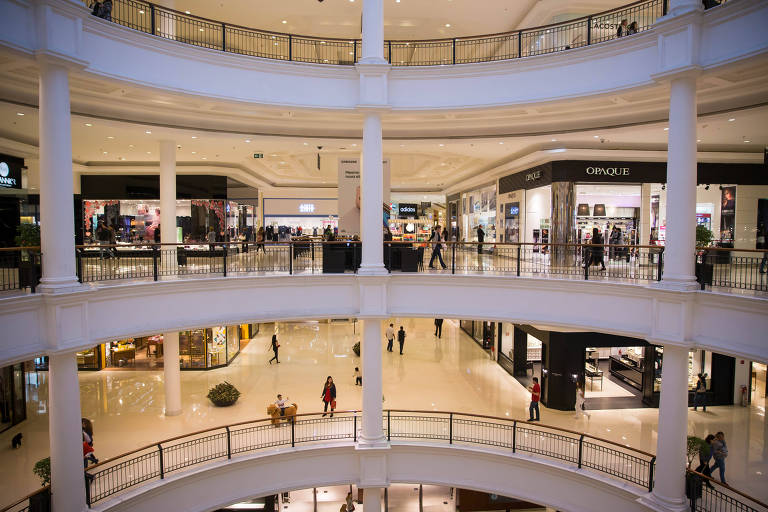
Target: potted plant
x=41, y=502
x=223, y=395
x=693, y=482
x=704, y=265
x=28, y=235
x=356, y=349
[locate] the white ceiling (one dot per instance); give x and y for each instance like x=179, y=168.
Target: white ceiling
x=101, y=145
x=403, y=19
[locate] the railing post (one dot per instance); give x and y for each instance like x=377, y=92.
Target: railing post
x=152, y=18
x=154, y=262
x=79, y=264
x=229, y=444
x=223, y=37
x=650, y=473
x=514, y=436
x=293, y=432
x=581, y=447
x=389, y=256
x=225, y=247
x=354, y=428
x=589, y=30
x=453, y=258
x=354, y=51
x=450, y=428
x=389, y=51
x=519, y=44
x=88, y=479
x=660, y=264
x=290, y=47
x=454, y=50
x=290, y=258
x=162, y=469
x=518, y=260
x=312, y=249
x=389, y=426
x=587, y=264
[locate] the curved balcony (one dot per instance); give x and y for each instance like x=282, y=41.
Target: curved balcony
x=563, y=458
x=186, y=28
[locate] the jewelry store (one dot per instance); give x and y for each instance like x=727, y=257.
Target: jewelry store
x=616, y=372
x=562, y=201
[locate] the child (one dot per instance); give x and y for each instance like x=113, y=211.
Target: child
x=358, y=377
x=281, y=403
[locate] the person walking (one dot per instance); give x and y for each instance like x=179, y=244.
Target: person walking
x=390, y=335
x=350, y=503
x=480, y=239
x=581, y=409
x=535, y=390
x=700, y=393
x=596, y=254
x=401, y=338
x=705, y=455
x=358, y=377
x=437, y=248
x=439, y=327
x=719, y=452
x=329, y=395
x=275, y=346
x=260, y=239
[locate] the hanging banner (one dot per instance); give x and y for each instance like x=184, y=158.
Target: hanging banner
x=349, y=196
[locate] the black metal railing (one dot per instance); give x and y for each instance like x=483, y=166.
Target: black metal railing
x=194, y=30
x=20, y=268
x=581, y=451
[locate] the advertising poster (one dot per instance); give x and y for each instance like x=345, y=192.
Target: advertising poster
x=349, y=196
x=727, y=213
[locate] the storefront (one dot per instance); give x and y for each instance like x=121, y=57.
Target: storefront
x=562, y=201
x=13, y=398
x=301, y=216
x=199, y=349
x=614, y=371
x=126, y=209
x=17, y=206
x=413, y=221
x=478, y=208
x=482, y=331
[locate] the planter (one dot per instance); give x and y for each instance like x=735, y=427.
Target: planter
x=223, y=395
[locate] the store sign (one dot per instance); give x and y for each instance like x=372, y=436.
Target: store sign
x=533, y=176
x=514, y=210
x=407, y=210
x=306, y=208
x=10, y=171
x=608, y=171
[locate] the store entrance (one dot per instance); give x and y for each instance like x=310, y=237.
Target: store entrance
x=758, y=387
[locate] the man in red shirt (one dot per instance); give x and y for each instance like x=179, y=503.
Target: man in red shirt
x=535, y=390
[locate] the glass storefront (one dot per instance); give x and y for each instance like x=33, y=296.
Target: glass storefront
x=13, y=400
x=479, y=210
x=483, y=332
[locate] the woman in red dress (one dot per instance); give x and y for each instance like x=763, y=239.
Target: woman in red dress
x=329, y=395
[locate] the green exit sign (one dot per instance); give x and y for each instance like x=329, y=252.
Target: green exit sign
x=258, y=155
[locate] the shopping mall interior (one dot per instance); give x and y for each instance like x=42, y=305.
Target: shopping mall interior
x=519, y=246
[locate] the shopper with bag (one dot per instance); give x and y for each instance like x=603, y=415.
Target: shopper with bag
x=329, y=395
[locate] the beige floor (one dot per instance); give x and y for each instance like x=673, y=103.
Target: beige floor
x=452, y=374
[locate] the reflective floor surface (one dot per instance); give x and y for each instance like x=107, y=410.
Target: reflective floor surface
x=449, y=374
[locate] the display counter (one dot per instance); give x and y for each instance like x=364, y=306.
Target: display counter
x=591, y=373
x=338, y=258
x=627, y=370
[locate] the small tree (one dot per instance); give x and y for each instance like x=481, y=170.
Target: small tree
x=703, y=236
x=42, y=470
x=695, y=446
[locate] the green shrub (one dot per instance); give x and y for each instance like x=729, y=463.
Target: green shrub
x=42, y=470
x=703, y=236
x=223, y=394
x=693, y=447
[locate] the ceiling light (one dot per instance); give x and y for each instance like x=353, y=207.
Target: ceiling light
x=351, y=53
x=731, y=119
x=747, y=141
x=306, y=143
x=194, y=152
x=698, y=140
x=202, y=30
x=282, y=163
x=354, y=145
x=122, y=158
x=441, y=145
x=397, y=1
x=110, y=137
x=554, y=140
x=284, y=22
x=194, y=136
x=273, y=154
x=130, y=146
x=19, y=113
x=666, y=129
x=88, y=124
x=149, y=152
x=187, y=12
x=596, y=136
x=402, y=145
x=148, y=132
x=247, y=140
x=501, y=143
x=205, y=158
x=447, y=25
x=104, y=152
x=141, y=12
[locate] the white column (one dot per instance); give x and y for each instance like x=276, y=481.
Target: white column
x=57, y=217
x=373, y=432
x=372, y=499
x=66, y=434
x=679, y=262
x=669, y=488
x=373, y=32
x=644, y=229
x=171, y=372
x=371, y=211
x=678, y=7
x=167, y=192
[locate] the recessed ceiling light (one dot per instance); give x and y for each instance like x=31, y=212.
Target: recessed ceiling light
x=554, y=140
x=194, y=152
x=148, y=132
x=202, y=30
x=747, y=141
x=187, y=12
x=447, y=25
x=402, y=145
x=731, y=119
x=501, y=143
x=104, y=152
x=141, y=12
x=19, y=113
x=698, y=140
x=306, y=143
x=284, y=22
x=205, y=158
x=666, y=129
x=282, y=163
x=194, y=136
x=88, y=124
x=122, y=158
x=354, y=145
x=149, y=152
x=130, y=146
x=441, y=145
x=596, y=136
x=110, y=137
x=248, y=140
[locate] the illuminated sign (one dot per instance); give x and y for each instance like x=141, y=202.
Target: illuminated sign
x=307, y=208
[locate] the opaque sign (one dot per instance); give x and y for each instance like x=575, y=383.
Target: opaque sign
x=10, y=172
x=608, y=171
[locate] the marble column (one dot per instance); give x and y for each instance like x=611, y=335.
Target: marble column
x=57, y=217
x=373, y=431
x=372, y=499
x=66, y=434
x=172, y=373
x=371, y=211
x=373, y=32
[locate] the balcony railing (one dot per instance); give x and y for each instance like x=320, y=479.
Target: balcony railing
x=186, y=28
x=585, y=452
x=716, y=268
